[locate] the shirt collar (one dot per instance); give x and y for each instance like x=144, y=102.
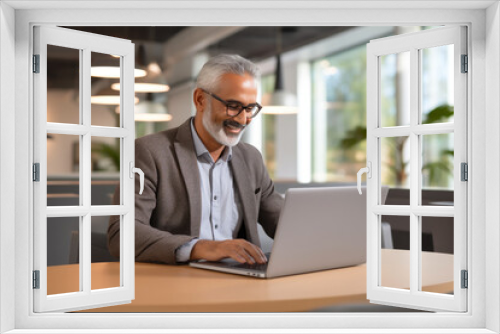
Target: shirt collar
x=227, y=153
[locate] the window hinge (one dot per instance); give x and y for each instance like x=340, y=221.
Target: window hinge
x=36, y=172
x=465, y=279
x=464, y=171
x=36, y=63
x=36, y=279
x=465, y=64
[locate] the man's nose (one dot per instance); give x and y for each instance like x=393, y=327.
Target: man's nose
x=241, y=117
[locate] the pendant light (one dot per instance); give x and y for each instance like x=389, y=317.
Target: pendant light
x=279, y=102
x=151, y=111
x=148, y=110
x=108, y=97
x=113, y=72
x=153, y=81
x=108, y=67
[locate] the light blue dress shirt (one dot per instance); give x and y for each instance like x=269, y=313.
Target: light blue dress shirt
x=220, y=206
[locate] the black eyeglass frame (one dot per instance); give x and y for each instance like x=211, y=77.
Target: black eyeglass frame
x=226, y=103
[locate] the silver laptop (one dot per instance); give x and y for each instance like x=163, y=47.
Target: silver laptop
x=319, y=228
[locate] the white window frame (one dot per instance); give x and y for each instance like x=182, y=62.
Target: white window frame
x=85, y=44
x=484, y=103
x=413, y=43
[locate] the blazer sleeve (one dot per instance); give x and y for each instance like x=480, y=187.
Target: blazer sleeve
x=151, y=244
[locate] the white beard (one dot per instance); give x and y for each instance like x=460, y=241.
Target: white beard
x=217, y=130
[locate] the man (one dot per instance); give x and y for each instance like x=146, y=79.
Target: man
x=204, y=192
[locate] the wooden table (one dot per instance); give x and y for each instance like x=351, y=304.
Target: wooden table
x=167, y=288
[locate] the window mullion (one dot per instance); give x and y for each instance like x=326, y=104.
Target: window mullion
x=373, y=156
x=85, y=168
x=67, y=129
x=128, y=194
x=414, y=172
x=85, y=251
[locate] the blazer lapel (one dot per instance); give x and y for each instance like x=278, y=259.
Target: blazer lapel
x=247, y=196
x=186, y=155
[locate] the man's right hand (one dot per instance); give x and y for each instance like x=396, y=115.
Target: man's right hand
x=237, y=249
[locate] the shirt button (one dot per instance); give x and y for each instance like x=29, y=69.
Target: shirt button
x=216, y=226
x=215, y=197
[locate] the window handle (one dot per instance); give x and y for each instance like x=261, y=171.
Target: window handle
x=368, y=171
x=141, y=175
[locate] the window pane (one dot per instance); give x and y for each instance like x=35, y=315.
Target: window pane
x=395, y=252
x=63, y=170
x=63, y=242
x=437, y=84
x=105, y=267
x=106, y=75
x=437, y=169
x=437, y=254
x=106, y=158
x=395, y=89
x=339, y=116
x=269, y=129
x=63, y=85
x=395, y=169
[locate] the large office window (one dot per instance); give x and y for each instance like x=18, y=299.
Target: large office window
x=338, y=126
x=269, y=129
x=339, y=113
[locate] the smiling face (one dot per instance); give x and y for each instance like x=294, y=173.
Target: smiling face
x=219, y=128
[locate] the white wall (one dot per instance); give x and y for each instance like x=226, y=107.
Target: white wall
x=491, y=166
x=190, y=16
x=7, y=166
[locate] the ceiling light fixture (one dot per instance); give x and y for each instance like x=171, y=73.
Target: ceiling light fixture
x=113, y=72
x=280, y=102
x=154, y=81
x=154, y=68
x=149, y=111
x=142, y=87
x=109, y=100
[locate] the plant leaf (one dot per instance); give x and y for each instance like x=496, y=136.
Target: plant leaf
x=439, y=114
x=109, y=151
x=353, y=137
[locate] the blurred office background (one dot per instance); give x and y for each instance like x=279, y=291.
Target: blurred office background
x=318, y=141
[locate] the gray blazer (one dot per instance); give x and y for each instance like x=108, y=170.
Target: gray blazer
x=168, y=213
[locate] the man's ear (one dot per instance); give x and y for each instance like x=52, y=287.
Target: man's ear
x=199, y=100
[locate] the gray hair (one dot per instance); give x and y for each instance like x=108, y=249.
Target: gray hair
x=215, y=67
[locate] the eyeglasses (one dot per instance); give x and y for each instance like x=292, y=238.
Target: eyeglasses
x=234, y=108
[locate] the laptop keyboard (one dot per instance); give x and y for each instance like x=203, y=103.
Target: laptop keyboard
x=255, y=266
